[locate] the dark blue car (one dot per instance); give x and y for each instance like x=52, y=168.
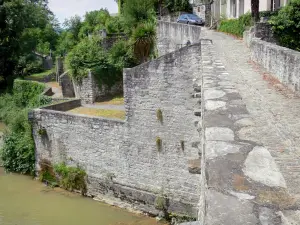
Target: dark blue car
x=190, y=19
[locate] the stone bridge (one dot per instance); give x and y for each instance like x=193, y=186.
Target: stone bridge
x=208, y=133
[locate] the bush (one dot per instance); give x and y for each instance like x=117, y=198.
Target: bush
x=286, y=25
x=143, y=38
x=27, y=93
x=18, y=150
x=71, y=178
x=236, y=26
x=18, y=153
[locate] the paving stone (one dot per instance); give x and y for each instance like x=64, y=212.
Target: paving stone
x=219, y=134
x=213, y=94
x=261, y=167
x=220, y=148
x=213, y=105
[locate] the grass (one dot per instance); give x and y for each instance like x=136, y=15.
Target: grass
x=117, y=100
x=118, y=114
x=39, y=76
x=2, y=127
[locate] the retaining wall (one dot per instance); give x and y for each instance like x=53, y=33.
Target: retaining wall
x=282, y=63
x=123, y=159
x=173, y=36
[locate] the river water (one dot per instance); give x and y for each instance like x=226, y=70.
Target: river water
x=24, y=201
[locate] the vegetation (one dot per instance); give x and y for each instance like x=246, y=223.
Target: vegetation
x=178, y=5
x=286, y=25
x=236, y=26
x=26, y=27
x=71, y=178
x=18, y=150
x=118, y=114
x=158, y=144
x=159, y=115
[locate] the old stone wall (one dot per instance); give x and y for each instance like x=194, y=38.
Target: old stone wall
x=173, y=36
x=282, y=63
x=67, y=86
x=88, y=89
x=154, y=152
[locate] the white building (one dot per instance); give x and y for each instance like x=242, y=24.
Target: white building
x=236, y=8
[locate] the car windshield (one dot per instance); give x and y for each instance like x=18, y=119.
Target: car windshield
x=193, y=17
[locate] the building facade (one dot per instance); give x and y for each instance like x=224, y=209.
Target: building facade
x=235, y=8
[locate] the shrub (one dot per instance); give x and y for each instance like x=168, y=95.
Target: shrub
x=18, y=150
x=27, y=93
x=71, y=178
x=236, y=26
x=46, y=174
x=143, y=38
x=286, y=25
x=18, y=153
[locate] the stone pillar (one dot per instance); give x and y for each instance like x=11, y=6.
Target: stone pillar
x=59, y=68
x=67, y=86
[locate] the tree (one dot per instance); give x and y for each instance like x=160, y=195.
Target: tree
x=255, y=10
x=25, y=25
x=286, y=25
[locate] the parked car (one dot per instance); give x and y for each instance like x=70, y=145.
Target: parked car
x=190, y=19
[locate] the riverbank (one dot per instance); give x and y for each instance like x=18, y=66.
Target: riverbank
x=27, y=201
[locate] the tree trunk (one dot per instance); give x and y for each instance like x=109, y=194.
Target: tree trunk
x=255, y=10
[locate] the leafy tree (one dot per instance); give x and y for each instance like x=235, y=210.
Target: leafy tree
x=136, y=11
x=286, y=25
x=25, y=26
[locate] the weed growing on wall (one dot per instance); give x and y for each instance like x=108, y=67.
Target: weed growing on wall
x=71, y=178
x=182, y=145
x=159, y=144
x=46, y=173
x=159, y=115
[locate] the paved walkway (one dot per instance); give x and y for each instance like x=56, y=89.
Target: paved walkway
x=276, y=113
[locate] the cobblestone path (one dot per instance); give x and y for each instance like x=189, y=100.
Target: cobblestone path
x=275, y=110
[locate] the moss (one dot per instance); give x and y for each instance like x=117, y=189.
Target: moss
x=161, y=203
x=159, y=115
x=158, y=144
x=71, y=178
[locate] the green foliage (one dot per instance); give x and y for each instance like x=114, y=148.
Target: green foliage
x=286, y=25
x=18, y=150
x=158, y=144
x=137, y=11
x=161, y=203
x=71, y=178
x=236, y=26
x=27, y=93
x=181, y=218
x=268, y=13
x=18, y=153
x=46, y=173
x=144, y=40
x=25, y=26
x=178, y=5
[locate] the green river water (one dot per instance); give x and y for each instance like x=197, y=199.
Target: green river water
x=24, y=201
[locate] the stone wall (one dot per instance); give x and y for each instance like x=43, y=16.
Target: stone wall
x=282, y=63
x=88, y=89
x=173, y=36
x=125, y=159
x=67, y=86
